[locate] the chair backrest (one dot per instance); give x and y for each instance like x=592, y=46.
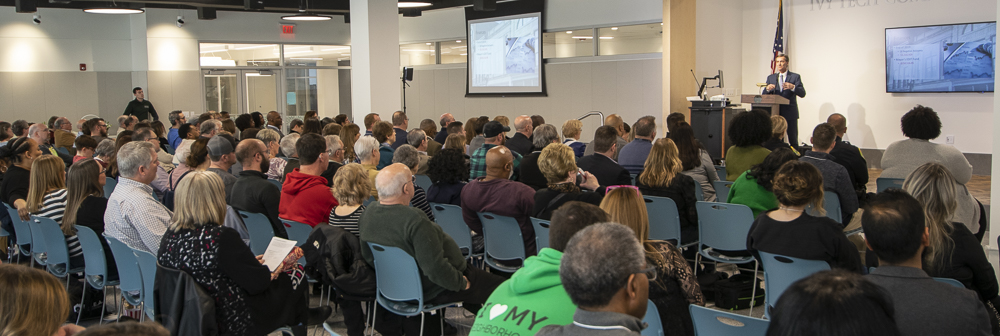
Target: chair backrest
x=20, y=227
x=664, y=220
x=298, y=232
x=55, y=241
x=711, y=322
x=781, y=271
x=423, y=181
x=502, y=237
x=883, y=183
x=654, y=325
x=634, y=176
x=38, y=241
x=699, y=194
x=831, y=203
x=95, y=264
x=721, y=171
x=724, y=226
x=396, y=274
x=541, y=232
x=275, y=182
x=260, y=230
x=369, y=201
x=950, y=281
x=722, y=190
x=449, y=218
x=129, y=275
x=62, y=150
x=109, y=186
x=147, y=268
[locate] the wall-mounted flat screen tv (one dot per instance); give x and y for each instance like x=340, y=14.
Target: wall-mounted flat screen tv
x=941, y=58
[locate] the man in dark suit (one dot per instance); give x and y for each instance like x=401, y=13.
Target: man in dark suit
x=895, y=231
x=607, y=171
x=399, y=124
x=849, y=156
x=789, y=85
x=521, y=142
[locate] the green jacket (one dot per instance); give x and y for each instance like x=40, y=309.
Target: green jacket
x=739, y=159
x=531, y=299
x=746, y=191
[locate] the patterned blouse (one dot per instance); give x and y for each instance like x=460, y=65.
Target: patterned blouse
x=674, y=289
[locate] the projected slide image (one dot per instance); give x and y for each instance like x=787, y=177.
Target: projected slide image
x=505, y=55
x=946, y=58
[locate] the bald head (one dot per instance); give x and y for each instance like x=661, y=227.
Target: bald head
x=247, y=149
x=499, y=163
x=615, y=121
x=522, y=124
x=839, y=123
x=446, y=119
x=393, y=184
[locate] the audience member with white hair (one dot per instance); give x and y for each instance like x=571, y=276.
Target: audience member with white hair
x=291, y=156
x=335, y=149
x=530, y=174
x=133, y=216
x=367, y=151
x=409, y=156
x=210, y=128
x=419, y=140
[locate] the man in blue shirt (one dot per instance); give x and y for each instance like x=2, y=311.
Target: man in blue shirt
x=177, y=119
x=633, y=155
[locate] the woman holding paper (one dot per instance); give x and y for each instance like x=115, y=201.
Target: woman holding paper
x=250, y=299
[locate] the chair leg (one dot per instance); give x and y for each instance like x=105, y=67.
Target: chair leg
x=697, y=264
x=753, y=293
x=121, y=305
x=441, y=319
x=83, y=298
x=104, y=306
x=142, y=312
x=421, y=323
x=374, y=308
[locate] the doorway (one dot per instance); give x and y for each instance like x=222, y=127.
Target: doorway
x=242, y=91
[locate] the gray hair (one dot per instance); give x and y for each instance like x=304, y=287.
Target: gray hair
x=406, y=155
x=598, y=261
x=364, y=146
x=106, y=148
x=210, y=125
x=543, y=135
x=415, y=137
x=133, y=155
x=143, y=134
x=35, y=128
x=59, y=122
x=390, y=185
x=288, y=144
x=268, y=136
x=174, y=117
x=124, y=121
x=333, y=144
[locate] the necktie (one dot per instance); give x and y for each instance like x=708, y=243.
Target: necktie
x=781, y=82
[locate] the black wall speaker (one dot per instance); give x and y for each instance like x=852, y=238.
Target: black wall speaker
x=484, y=5
x=25, y=6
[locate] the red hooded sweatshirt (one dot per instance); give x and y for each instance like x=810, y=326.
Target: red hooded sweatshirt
x=305, y=199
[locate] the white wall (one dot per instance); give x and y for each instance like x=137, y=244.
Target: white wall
x=839, y=50
x=718, y=43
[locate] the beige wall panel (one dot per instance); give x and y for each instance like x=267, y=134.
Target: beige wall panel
x=28, y=96
x=114, y=91
x=7, y=96
x=187, y=93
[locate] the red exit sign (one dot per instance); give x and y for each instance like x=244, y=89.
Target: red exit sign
x=287, y=29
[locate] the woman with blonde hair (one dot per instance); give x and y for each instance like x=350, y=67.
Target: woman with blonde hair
x=351, y=187
x=33, y=303
x=566, y=182
x=571, y=130
x=349, y=135
x=47, y=198
x=675, y=287
x=249, y=298
x=661, y=177
x=778, y=127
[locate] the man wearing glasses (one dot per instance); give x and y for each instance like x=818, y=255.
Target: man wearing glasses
x=97, y=129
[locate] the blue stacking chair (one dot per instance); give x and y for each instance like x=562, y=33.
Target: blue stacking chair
x=275, y=182
x=370, y=200
x=634, y=177
x=664, y=220
x=147, y=269
x=109, y=186
x=711, y=322
x=23, y=243
x=722, y=190
x=449, y=218
x=11, y=247
x=950, y=281
x=503, y=240
x=654, y=327
x=780, y=272
x=423, y=181
x=541, y=232
x=62, y=150
x=38, y=246
x=724, y=226
x=298, y=232
x=721, y=171
x=699, y=194
x=129, y=275
x=96, y=267
x=260, y=230
x=883, y=183
x=831, y=204
x=57, y=253
x=398, y=281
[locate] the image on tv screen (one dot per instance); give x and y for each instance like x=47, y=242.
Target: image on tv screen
x=943, y=58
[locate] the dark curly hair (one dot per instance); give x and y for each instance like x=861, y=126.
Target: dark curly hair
x=750, y=128
x=764, y=172
x=448, y=167
x=921, y=123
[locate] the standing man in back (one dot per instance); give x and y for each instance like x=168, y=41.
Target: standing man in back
x=140, y=107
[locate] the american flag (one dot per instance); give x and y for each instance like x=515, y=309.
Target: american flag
x=779, y=37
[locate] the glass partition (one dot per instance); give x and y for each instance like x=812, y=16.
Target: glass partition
x=636, y=39
x=417, y=54
x=229, y=54
x=568, y=43
x=315, y=55
x=454, y=52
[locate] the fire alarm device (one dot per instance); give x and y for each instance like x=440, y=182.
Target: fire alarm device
x=83, y=66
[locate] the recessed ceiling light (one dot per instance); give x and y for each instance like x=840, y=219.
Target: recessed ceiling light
x=428, y=43
x=569, y=32
x=413, y=4
x=113, y=10
x=583, y=37
x=458, y=41
x=661, y=23
x=306, y=17
x=614, y=28
x=606, y=37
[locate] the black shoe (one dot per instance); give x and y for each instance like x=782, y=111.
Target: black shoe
x=318, y=315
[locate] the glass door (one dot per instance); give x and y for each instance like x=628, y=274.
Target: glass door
x=222, y=90
x=242, y=91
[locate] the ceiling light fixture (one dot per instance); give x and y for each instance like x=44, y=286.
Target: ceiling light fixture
x=569, y=32
x=606, y=37
x=305, y=15
x=414, y=4
x=583, y=37
x=113, y=10
x=458, y=41
x=614, y=28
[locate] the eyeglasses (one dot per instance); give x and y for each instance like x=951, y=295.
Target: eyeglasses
x=649, y=272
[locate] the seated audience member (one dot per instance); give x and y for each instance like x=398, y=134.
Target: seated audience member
x=633, y=155
x=571, y=130
x=126, y=123
x=747, y=131
x=494, y=135
x=790, y=231
x=673, y=120
x=174, y=136
x=497, y=194
x=370, y=120
x=35, y=303
x=163, y=150
x=835, y=177
x=400, y=122
x=430, y=129
x=276, y=165
x=244, y=122
x=123, y=138
x=291, y=155
x=408, y=156
x=677, y=286
x=47, y=198
x=920, y=125
x=447, y=276
x=474, y=133
x=616, y=122
x=445, y=120
x=566, y=181
x=455, y=141
x=754, y=187
x=305, y=198
x=383, y=133
x=615, y=302
x=252, y=192
x=335, y=150
x=40, y=134
x=6, y=134
x=312, y=126
x=332, y=129
x=196, y=159
x=419, y=140
x=849, y=156
x=895, y=231
x=537, y=120
x=367, y=149
x=221, y=151
x=123, y=328
x=662, y=177
x=85, y=147
x=351, y=188
x=536, y=286
x=188, y=134
x=95, y=128
x=209, y=128
x=85, y=205
x=832, y=303
x=778, y=128
x=601, y=164
x=104, y=152
x=295, y=127
x=258, y=120
x=249, y=299
x=133, y=216
x=528, y=171
x=350, y=135
x=18, y=155
x=62, y=134
x=162, y=181
x=448, y=173
x=694, y=159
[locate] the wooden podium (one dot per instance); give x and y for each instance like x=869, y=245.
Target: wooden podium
x=767, y=102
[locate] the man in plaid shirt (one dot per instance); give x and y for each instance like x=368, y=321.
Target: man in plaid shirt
x=495, y=134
